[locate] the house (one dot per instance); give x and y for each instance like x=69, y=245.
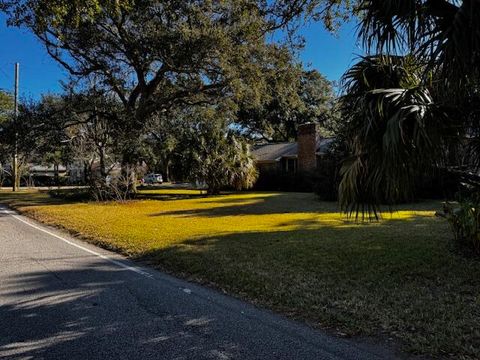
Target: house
x=304, y=155
x=47, y=171
x=80, y=171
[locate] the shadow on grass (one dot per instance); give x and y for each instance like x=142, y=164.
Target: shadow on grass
x=169, y=197
x=168, y=186
x=396, y=275
x=390, y=278
x=260, y=204
x=31, y=198
x=69, y=196
x=279, y=203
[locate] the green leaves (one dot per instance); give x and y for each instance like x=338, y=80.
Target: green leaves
x=464, y=220
x=220, y=159
x=293, y=97
x=394, y=133
x=410, y=113
x=6, y=106
x=154, y=54
x=443, y=35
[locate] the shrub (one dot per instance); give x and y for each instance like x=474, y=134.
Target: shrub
x=70, y=194
x=121, y=187
x=221, y=160
x=277, y=180
x=464, y=219
x=323, y=181
x=326, y=178
x=437, y=184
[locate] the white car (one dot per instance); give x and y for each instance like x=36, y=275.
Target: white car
x=153, y=179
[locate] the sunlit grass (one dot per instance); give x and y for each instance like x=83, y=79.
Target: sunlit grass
x=139, y=226
x=398, y=277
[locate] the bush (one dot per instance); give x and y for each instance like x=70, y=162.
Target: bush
x=70, y=194
x=323, y=181
x=121, y=187
x=221, y=160
x=464, y=219
x=439, y=184
x=327, y=178
x=276, y=180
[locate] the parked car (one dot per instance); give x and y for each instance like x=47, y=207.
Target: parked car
x=153, y=179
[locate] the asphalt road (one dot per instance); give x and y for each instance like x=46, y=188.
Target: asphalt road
x=63, y=299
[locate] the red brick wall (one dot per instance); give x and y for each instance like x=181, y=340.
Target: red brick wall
x=307, y=147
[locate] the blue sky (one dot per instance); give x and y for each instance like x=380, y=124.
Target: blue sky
x=39, y=74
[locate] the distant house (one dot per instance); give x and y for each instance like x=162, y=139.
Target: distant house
x=47, y=171
x=79, y=171
x=304, y=155
x=43, y=175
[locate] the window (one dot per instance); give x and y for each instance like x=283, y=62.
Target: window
x=289, y=166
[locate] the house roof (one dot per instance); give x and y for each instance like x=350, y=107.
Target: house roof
x=323, y=145
x=275, y=152
x=46, y=168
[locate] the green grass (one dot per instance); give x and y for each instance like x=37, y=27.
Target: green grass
x=396, y=278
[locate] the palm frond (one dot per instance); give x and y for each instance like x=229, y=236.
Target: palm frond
x=443, y=35
x=394, y=132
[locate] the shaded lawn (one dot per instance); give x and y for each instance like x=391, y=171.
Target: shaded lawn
x=398, y=277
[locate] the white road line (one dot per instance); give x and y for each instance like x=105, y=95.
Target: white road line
x=104, y=257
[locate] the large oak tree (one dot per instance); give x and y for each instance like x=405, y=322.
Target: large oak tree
x=153, y=54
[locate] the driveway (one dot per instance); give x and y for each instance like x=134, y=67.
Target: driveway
x=63, y=299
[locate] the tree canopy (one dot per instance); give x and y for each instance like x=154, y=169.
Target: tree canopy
x=295, y=96
x=154, y=54
x=6, y=105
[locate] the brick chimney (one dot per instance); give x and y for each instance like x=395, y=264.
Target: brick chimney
x=307, y=147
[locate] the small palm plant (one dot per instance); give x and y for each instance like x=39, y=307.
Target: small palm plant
x=464, y=220
x=221, y=159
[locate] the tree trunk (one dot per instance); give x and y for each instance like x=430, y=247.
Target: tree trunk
x=17, y=177
x=213, y=188
x=85, y=172
x=103, y=169
x=129, y=176
x=56, y=177
x=167, y=171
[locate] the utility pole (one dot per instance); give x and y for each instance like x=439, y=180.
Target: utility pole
x=15, y=147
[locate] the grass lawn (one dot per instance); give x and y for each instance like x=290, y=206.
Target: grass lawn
x=396, y=278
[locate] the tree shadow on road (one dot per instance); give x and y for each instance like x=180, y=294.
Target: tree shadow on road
x=386, y=278
x=98, y=312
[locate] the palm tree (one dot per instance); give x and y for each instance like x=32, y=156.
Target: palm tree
x=220, y=159
x=410, y=107
x=393, y=129
x=443, y=34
